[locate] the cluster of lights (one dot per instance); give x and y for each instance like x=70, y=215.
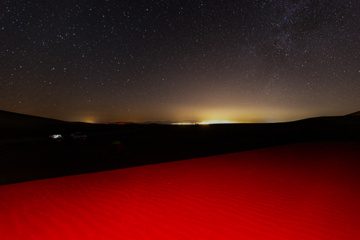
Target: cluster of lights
x=202, y=123
x=215, y=122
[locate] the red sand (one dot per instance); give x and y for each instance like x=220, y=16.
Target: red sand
x=304, y=191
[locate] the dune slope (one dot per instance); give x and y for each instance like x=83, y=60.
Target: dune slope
x=302, y=191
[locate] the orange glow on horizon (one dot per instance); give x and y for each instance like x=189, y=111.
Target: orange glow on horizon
x=216, y=122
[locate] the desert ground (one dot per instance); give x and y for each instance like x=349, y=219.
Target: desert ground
x=298, y=191
x=297, y=180
x=27, y=153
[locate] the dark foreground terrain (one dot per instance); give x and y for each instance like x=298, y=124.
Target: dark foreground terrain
x=27, y=153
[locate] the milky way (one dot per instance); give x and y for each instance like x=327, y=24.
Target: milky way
x=242, y=61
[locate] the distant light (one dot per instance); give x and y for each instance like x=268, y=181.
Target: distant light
x=215, y=122
x=56, y=136
x=121, y=123
x=185, y=123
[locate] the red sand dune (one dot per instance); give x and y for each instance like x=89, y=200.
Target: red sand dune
x=303, y=191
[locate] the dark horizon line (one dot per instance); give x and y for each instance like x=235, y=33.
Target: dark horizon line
x=168, y=122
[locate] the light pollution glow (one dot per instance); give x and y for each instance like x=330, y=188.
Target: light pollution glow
x=206, y=116
x=243, y=61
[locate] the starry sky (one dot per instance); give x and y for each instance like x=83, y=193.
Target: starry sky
x=167, y=60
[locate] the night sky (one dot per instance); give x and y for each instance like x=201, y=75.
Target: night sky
x=163, y=60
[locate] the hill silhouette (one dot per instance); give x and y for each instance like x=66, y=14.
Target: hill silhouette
x=356, y=114
x=27, y=153
x=18, y=120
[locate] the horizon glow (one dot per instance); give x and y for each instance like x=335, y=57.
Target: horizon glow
x=189, y=61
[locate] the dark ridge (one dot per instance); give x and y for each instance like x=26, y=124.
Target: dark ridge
x=355, y=114
x=17, y=126
x=27, y=153
x=15, y=120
